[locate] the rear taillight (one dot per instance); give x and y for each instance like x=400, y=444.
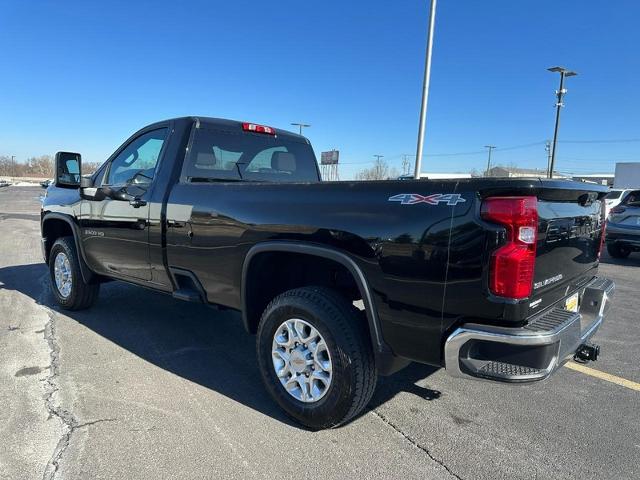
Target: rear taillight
x=512, y=264
x=603, y=228
x=252, y=127
x=617, y=209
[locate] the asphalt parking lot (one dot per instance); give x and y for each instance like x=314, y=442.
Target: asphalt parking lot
x=143, y=386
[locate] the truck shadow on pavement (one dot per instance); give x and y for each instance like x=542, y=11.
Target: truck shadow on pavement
x=196, y=342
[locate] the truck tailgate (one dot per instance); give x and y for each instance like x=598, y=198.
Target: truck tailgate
x=570, y=231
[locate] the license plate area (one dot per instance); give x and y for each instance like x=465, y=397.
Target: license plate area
x=572, y=304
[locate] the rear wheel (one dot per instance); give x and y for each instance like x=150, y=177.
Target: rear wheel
x=618, y=251
x=69, y=288
x=315, y=356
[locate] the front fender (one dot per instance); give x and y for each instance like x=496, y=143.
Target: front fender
x=87, y=274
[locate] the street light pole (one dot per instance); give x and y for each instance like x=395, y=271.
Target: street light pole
x=301, y=125
x=560, y=94
x=425, y=89
x=13, y=165
x=490, y=147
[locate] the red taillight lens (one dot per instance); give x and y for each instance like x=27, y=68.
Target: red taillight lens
x=512, y=265
x=252, y=127
x=603, y=228
x=617, y=209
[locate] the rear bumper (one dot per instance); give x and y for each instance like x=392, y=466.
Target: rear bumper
x=533, y=352
x=628, y=236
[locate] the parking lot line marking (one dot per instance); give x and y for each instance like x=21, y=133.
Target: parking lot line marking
x=623, y=382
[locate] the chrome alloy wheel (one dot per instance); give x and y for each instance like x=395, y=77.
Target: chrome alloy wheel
x=301, y=360
x=62, y=274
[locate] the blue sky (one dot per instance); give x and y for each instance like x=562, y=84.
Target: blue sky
x=84, y=75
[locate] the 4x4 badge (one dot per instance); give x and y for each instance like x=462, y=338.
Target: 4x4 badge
x=433, y=199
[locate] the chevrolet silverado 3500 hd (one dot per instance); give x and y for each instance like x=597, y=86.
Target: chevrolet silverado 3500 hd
x=493, y=279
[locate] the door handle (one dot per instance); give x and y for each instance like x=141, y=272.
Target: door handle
x=176, y=224
x=137, y=203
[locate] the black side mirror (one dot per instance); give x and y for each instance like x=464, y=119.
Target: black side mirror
x=129, y=194
x=67, y=165
x=86, y=182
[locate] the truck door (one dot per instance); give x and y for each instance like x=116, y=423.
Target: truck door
x=115, y=233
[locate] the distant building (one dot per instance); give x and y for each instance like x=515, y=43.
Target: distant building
x=436, y=176
x=599, y=178
x=518, y=172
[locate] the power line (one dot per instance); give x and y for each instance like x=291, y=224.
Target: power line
x=621, y=140
x=511, y=148
x=518, y=147
x=454, y=154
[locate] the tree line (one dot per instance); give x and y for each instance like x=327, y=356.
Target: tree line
x=41, y=166
x=379, y=171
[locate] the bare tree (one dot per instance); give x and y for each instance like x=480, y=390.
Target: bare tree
x=41, y=166
x=379, y=171
x=89, y=167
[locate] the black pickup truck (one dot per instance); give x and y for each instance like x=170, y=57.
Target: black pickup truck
x=494, y=279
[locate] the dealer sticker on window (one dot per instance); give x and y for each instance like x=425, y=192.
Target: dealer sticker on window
x=571, y=304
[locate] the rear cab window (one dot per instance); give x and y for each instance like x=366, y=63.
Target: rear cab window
x=229, y=154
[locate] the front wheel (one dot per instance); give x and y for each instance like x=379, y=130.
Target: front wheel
x=315, y=356
x=618, y=251
x=69, y=288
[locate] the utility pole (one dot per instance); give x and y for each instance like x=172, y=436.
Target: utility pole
x=425, y=89
x=301, y=125
x=490, y=147
x=560, y=94
x=13, y=165
x=547, y=148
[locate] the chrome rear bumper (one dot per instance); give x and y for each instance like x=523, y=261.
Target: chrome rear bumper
x=533, y=352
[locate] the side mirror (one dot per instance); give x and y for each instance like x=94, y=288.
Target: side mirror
x=86, y=182
x=67, y=165
x=129, y=194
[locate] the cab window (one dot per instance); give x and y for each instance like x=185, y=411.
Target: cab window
x=227, y=155
x=137, y=162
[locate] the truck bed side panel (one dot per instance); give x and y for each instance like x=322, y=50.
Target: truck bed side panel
x=401, y=248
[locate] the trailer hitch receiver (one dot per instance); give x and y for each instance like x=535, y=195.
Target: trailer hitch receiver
x=587, y=352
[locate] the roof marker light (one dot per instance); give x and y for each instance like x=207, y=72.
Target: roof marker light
x=253, y=127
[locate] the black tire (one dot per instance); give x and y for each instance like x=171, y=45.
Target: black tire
x=618, y=251
x=82, y=295
x=353, y=365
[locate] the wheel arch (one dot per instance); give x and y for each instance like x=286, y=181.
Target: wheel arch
x=250, y=318
x=55, y=225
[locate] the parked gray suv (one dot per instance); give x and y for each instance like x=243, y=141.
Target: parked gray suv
x=623, y=227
